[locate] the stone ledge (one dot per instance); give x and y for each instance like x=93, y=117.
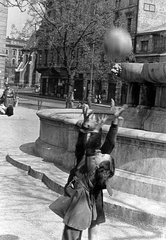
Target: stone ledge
x=139, y=185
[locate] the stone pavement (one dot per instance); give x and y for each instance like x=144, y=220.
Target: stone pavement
x=24, y=200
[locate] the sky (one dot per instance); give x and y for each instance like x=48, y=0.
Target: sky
x=15, y=16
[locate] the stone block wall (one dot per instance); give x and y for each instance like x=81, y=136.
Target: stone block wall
x=151, y=19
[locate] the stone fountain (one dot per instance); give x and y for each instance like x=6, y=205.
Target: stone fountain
x=140, y=180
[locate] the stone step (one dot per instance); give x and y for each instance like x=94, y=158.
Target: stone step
x=127, y=207
x=140, y=185
x=154, y=167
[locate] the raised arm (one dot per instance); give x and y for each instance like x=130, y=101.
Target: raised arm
x=110, y=140
x=85, y=127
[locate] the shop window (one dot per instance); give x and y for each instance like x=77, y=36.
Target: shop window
x=149, y=7
x=144, y=46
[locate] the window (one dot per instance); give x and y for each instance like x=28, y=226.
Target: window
x=116, y=16
x=144, y=46
x=40, y=57
x=149, y=7
x=7, y=52
x=13, y=62
x=14, y=52
x=81, y=75
x=118, y=3
x=159, y=44
x=130, y=2
x=129, y=20
x=46, y=57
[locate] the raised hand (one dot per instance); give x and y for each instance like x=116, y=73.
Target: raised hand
x=100, y=122
x=86, y=115
x=117, y=111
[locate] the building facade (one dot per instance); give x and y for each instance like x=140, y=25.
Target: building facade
x=13, y=56
x=151, y=45
x=151, y=14
x=3, y=28
x=145, y=21
x=25, y=73
x=126, y=16
x=139, y=17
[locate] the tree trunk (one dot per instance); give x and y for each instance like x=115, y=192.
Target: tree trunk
x=70, y=97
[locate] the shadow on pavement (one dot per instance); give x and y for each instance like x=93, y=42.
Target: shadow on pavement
x=28, y=148
x=8, y=237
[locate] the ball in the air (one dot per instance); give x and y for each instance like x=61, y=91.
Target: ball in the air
x=118, y=43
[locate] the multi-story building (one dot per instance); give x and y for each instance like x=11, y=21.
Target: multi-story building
x=145, y=21
x=140, y=17
x=151, y=45
x=13, y=56
x=3, y=27
x=55, y=79
x=137, y=16
x=25, y=73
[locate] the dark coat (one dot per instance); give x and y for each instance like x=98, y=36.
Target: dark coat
x=83, y=205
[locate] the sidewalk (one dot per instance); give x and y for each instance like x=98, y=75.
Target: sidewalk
x=19, y=133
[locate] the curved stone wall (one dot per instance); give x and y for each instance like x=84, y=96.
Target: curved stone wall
x=141, y=72
x=58, y=136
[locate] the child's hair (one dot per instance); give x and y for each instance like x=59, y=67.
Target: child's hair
x=9, y=111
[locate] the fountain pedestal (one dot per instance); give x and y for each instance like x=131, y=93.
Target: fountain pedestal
x=146, y=96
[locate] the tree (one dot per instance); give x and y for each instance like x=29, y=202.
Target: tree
x=73, y=29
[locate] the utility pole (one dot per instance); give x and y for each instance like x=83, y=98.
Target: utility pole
x=93, y=6
x=91, y=79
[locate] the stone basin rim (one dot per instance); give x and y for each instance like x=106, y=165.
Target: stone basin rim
x=58, y=115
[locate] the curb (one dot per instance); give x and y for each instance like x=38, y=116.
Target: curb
x=37, y=175
x=42, y=98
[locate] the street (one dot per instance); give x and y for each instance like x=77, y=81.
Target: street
x=36, y=102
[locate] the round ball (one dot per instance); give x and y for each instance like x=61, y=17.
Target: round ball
x=118, y=43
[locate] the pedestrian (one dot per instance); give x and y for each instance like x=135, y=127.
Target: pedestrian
x=8, y=96
x=99, y=99
x=95, y=99
x=81, y=207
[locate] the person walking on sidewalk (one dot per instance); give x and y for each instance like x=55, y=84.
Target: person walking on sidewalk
x=8, y=96
x=81, y=207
